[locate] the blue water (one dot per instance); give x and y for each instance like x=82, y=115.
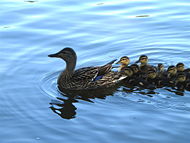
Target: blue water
x=31, y=108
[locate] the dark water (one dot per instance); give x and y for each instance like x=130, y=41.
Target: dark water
x=32, y=110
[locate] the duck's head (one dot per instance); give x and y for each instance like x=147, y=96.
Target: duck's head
x=143, y=59
x=67, y=54
x=172, y=70
x=124, y=60
x=181, y=77
x=160, y=67
x=152, y=74
x=180, y=67
x=127, y=71
x=135, y=68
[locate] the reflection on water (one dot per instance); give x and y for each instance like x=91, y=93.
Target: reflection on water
x=65, y=108
x=99, y=31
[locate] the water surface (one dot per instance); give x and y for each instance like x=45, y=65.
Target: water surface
x=33, y=111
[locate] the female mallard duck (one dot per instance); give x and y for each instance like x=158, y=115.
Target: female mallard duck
x=86, y=78
x=124, y=61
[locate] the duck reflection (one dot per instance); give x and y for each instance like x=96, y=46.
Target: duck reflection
x=64, y=108
x=64, y=105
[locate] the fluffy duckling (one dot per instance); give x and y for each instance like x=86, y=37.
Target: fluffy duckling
x=127, y=71
x=161, y=71
x=180, y=67
x=144, y=66
x=181, y=81
x=160, y=67
x=152, y=79
x=124, y=62
x=171, y=75
x=136, y=70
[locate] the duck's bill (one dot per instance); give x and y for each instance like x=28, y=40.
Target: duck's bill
x=53, y=55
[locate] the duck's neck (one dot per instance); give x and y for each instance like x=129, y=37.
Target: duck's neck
x=65, y=76
x=122, y=66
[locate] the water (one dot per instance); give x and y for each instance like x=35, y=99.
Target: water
x=32, y=110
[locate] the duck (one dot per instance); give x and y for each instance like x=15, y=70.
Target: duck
x=152, y=80
x=181, y=81
x=132, y=79
x=160, y=67
x=86, y=78
x=180, y=67
x=144, y=66
x=171, y=75
x=124, y=62
x=161, y=72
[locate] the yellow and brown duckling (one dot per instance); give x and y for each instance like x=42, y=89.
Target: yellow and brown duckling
x=161, y=70
x=181, y=81
x=180, y=67
x=133, y=79
x=144, y=66
x=160, y=67
x=171, y=75
x=124, y=62
x=136, y=70
x=152, y=80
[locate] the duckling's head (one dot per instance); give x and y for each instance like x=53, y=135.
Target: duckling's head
x=160, y=67
x=172, y=70
x=67, y=54
x=124, y=60
x=127, y=71
x=152, y=74
x=143, y=59
x=181, y=77
x=135, y=68
x=180, y=67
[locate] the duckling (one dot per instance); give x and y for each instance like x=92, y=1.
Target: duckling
x=180, y=67
x=152, y=80
x=85, y=78
x=124, y=61
x=127, y=71
x=181, y=81
x=187, y=87
x=160, y=70
x=144, y=66
x=135, y=68
x=171, y=75
x=132, y=79
x=160, y=67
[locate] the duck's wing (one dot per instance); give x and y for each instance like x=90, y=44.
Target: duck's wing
x=85, y=74
x=102, y=70
x=91, y=73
